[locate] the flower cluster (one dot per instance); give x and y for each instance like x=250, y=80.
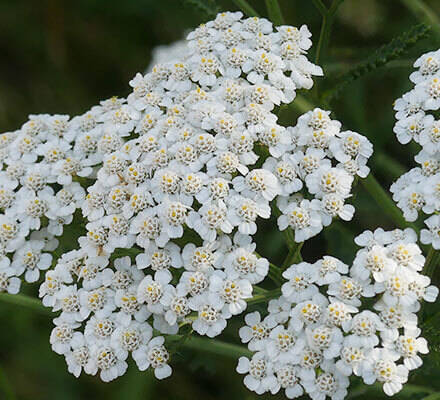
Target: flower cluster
x=44, y=166
x=192, y=158
x=319, y=332
x=418, y=190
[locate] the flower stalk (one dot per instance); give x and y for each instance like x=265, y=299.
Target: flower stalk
x=384, y=201
x=246, y=8
x=274, y=11
x=26, y=302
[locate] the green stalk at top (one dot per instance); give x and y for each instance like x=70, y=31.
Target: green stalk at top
x=294, y=255
x=327, y=22
x=274, y=11
x=25, y=301
x=385, y=202
x=246, y=8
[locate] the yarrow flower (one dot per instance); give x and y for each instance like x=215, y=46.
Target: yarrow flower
x=313, y=338
x=417, y=191
x=172, y=183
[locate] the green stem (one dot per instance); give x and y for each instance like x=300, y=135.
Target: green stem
x=334, y=7
x=275, y=274
x=385, y=202
x=25, y=301
x=323, y=38
x=302, y=104
x=5, y=386
x=246, y=8
x=257, y=290
x=424, y=13
x=289, y=235
x=274, y=12
x=391, y=167
x=432, y=260
x=294, y=255
x=326, y=27
x=320, y=6
x=262, y=298
x=216, y=347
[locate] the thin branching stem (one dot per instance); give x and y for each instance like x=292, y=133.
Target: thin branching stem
x=275, y=274
x=385, y=202
x=25, y=301
x=246, y=8
x=327, y=22
x=274, y=12
x=264, y=297
x=432, y=260
x=216, y=347
x=320, y=6
x=294, y=255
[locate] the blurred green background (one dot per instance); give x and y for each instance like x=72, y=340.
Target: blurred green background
x=65, y=56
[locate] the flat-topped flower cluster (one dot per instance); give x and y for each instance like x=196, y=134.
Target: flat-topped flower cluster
x=184, y=168
x=321, y=331
x=41, y=167
x=418, y=191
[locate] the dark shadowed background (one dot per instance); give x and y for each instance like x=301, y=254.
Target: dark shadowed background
x=65, y=56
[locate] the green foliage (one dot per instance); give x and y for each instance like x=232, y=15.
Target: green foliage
x=386, y=53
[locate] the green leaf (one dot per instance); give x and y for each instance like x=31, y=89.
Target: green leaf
x=386, y=53
x=207, y=7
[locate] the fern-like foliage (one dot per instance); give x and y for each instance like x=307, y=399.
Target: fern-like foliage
x=383, y=55
x=208, y=7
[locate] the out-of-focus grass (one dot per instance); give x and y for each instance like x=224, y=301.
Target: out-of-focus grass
x=63, y=57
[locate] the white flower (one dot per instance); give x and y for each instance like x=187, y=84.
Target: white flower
x=243, y=263
x=8, y=281
x=381, y=366
x=428, y=65
x=375, y=262
x=432, y=234
x=284, y=345
x=31, y=259
x=329, y=180
x=154, y=354
x=288, y=379
x=330, y=382
x=257, y=183
x=211, y=319
x=308, y=312
x=233, y=293
x=300, y=285
x=244, y=213
x=131, y=338
x=151, y=290
x=108, y=360
x=363, y=328
x=303, y=218
x=350, y=145
x=210, y=218
x=260, y=377
x=256, y=331
x=330, y=270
